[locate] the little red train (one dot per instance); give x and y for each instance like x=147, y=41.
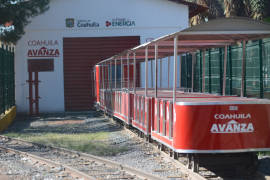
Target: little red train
x=184, y=121
x=199, y=123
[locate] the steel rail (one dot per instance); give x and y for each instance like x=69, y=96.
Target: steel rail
x=192, y=175
x=73, y=172
x=128, y=169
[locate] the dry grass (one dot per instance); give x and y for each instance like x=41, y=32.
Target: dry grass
x=93, y=143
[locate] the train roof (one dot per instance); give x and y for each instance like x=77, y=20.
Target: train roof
x=212, y=34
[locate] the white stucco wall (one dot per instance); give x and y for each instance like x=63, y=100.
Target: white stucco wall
x=153, y=18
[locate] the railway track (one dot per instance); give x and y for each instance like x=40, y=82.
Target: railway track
x=75, y=164
x=203, y=172
x=162, y=157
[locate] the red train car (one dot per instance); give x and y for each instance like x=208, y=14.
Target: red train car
x=178, y=118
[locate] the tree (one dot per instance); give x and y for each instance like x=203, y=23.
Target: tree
x=256, y=9
x=234, y=8
x=260, y=9
x=18, y=14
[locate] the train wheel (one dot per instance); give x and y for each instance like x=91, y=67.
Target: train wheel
x=162, y=147
x=175, y=155
x=159, y=146
x=188, y=165
x=171, y=153
x=255, y=160
x=194, y=164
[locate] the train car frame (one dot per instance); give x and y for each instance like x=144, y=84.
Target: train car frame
x=178, y=118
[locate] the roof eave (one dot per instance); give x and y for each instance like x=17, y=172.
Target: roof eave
x=194, y=9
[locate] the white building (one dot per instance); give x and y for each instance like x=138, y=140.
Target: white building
x=66, y=41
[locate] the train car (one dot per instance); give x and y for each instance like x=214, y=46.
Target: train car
x=187, y=122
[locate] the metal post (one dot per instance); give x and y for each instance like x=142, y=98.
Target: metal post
x=103, y=77
x=146, y=71
x=261, y=69
x=36, y=82
x=128, y=72
x=103, y=71
x=187, y=67
x=169, y=62
x=225, y=71
x=230, y=66
x=106, y=76
x=156, y=69
x=134, y=86
x=115, y=74
x=175, y=68
x=134, y=73
x=192, y=71
x=152, y=81
x=243, y=82
x=31, y=100
x=121, y=73
x=111, y=75
x=128, y=113
x=203, y=73
x=221, y=70
x=209, y=72
x=180, y=71
x=200, y=73
x=160, y=72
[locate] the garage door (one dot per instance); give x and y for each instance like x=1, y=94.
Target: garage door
x=80, y=55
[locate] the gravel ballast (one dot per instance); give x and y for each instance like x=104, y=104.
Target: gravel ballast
x=122, y=146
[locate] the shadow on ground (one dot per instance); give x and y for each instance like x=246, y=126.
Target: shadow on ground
x=68, y=123
x=88, y=132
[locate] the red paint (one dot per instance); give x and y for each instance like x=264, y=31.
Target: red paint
x=156, y=115
x=31, y=100
x=161, y=138
x=139, y=126
x=161, y=115
x=43, y=52
x=80, y=56
x=97, y=83
x=168, y=116
x=36, y=82
x=192, y=128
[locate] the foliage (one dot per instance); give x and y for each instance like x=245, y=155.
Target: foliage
x=18, y=13
x=267, y=19
x=256, y=9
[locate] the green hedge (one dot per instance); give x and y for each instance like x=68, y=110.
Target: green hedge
x=7, y=87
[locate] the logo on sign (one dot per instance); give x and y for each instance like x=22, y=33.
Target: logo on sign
x=81, y=23
x=87, y=23
x=43, y=52
x=70, y=22
x=232, y=126
x=120, y=22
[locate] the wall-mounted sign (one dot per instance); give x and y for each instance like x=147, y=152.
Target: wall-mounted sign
x=120, y=22
x=81, y=23
x=40, y=65
x=43, y=48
